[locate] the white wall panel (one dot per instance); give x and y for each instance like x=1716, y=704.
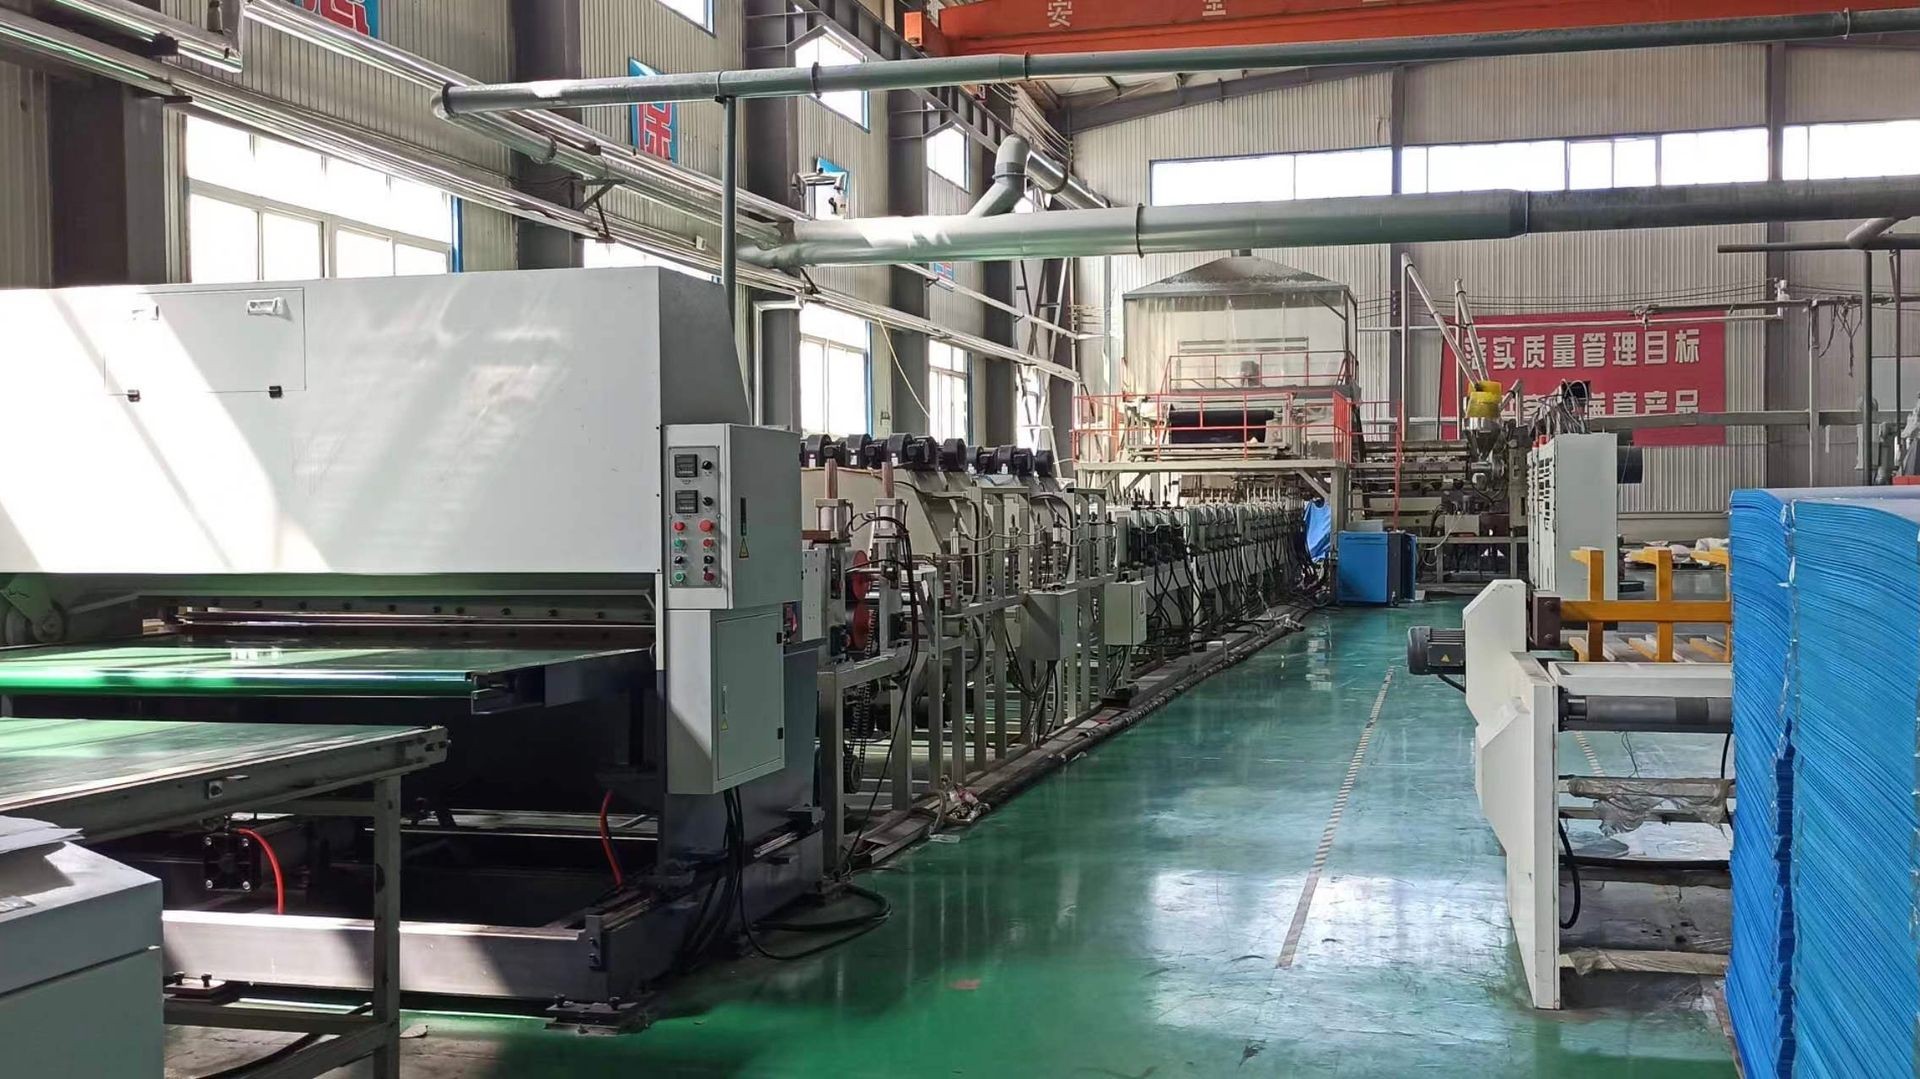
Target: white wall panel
x=1641, y=90
x=1319, y=116
x=26, y=246
x=1829, y=84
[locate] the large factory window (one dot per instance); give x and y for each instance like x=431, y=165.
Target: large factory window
x=836, y=351
x=698, y=12
x=829, y=51
x=1735, y=155
x=259, y=209
x=1035, y=428
x=1272, y=177
x=948, y=403
x=1851, y=151
x=596, y=255
x=947, y=154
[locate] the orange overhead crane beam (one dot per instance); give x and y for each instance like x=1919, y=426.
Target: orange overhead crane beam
x=1053, y=26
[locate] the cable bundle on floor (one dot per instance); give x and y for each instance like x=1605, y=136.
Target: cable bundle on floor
x=1759, y=995
x=1856, y=612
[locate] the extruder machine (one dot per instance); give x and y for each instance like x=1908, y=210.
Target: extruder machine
x=526, y=507
x=966, y=592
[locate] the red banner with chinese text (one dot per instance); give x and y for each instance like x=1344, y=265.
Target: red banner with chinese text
x=1636, y=367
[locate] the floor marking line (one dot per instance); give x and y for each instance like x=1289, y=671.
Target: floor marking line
x=1593, y=759
x=1299, y=924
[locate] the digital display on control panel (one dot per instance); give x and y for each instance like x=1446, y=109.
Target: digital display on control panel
x=686, y=466
x=686, y=502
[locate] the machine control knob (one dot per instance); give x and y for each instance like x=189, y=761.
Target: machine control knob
x=679, y=559
x=705, y=526
x=680, y=578
x=708, y=559
x=706, y=501
x=679, y=526
x=706, y=466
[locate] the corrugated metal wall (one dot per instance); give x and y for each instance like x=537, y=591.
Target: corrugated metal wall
x=472, y=36
x=1612, y=93
x=487, y=239
x=26, y=248
x=1825, y=85
x=613, y=32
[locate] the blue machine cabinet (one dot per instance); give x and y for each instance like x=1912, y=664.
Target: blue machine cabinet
x=1375, y=568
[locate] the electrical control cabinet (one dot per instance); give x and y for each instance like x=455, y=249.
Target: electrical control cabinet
x=727, y=698
x=1049, y=625
x=1573, y=501
x=732, y=495
x=814, y=593
x=1123, y=606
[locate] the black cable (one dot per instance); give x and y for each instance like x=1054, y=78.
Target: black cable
x=1725, y=745
x=737, y=844
x=1450, y=682
x=1573, y=870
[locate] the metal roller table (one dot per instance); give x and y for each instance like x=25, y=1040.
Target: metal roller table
x=123, y=777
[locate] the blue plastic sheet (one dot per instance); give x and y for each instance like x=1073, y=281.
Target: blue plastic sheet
x=1319, y=531
x=1766, y=695
x=1856, y=586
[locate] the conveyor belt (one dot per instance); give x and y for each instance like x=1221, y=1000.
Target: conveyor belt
x=113, y=777
x=200, y=667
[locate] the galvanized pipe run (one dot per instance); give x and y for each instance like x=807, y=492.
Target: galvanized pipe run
x=144, y=23
x=1009, y=179
x=959, y=70
x=1386, y=219
x=1868, y=231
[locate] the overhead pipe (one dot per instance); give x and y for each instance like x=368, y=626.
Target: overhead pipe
x=209, y=47
x=1053, y=178
x=970, y=70
x=1384, y=219
x=1009, y=179
x=1868, y=231
x=1884, y=243
x=222, y=98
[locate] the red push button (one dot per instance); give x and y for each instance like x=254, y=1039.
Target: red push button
x=706, y=526
x=708, y=542
x=679, y=526
x=708, y=575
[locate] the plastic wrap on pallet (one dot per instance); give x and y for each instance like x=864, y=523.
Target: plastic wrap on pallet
x=1765, y=703
x=1856, y=603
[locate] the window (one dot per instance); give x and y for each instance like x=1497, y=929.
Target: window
x=948, y=404
x=597, y=255
x=1272, y=177
x=947, y=154
x=1851, y=151
x=830, y=196
x=1736, y=155
x=835, y=366
x=1036, y=432
x=697, y=12
x=1714, y=157
x=828, y=51
x=263, y=210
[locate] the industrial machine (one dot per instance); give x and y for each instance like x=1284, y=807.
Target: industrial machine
x=525, y=507
x=975, y=604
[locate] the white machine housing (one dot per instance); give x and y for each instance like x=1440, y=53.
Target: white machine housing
x=1573, y=501
x=414, y=433
x=80, y=970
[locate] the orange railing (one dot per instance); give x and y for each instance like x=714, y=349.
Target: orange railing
x=1247, y=424
x=1209, y=372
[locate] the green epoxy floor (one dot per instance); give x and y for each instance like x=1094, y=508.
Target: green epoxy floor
x=1126, y=917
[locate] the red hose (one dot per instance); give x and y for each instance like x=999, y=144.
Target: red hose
x=606, y=841
x=273, y=863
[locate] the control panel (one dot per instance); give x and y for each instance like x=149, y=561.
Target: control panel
x=697, y=543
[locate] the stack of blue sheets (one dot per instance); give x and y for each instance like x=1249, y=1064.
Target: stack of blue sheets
x=1856, y=611
x=1760, y=974
x=1759, y=988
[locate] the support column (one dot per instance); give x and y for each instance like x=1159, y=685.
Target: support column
x=107, y=161
x=547, y=45
x=907, y=291
x=1400, y=350
x=770, y=132
x=1782, y=367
